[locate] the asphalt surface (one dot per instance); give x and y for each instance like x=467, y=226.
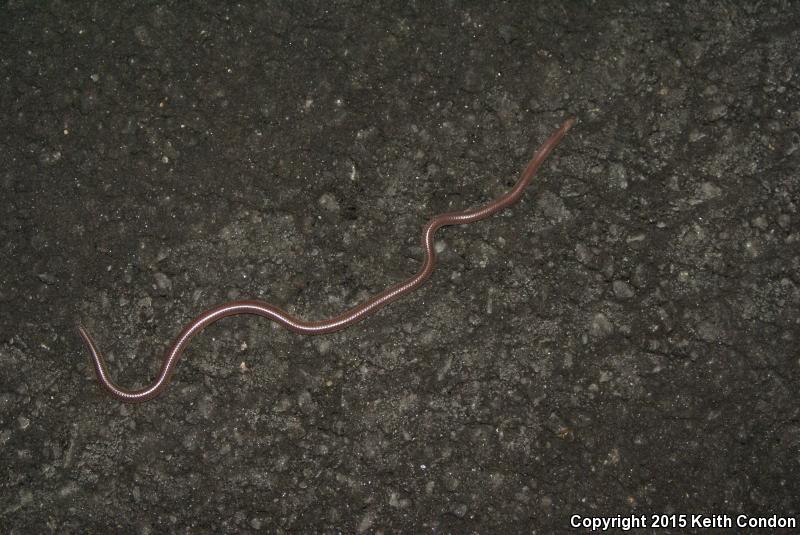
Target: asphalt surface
x=621, y=343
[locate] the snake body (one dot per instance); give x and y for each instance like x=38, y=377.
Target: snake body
x=338, y=322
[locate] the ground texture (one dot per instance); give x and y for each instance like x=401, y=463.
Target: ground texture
x=624, y=341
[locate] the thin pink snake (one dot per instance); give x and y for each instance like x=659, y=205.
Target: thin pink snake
x=336, y=323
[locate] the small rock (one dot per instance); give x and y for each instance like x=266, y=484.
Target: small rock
x=709, y=190
x=47, y=278
x=460, y=510
x=163, y=283
x=760, y=222
x=23, y=422
x=718, y=112
x=329, y=202
x=583, y=254
x=600, y=326
x=622, y=289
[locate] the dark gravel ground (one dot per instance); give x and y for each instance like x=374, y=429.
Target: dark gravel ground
x=624, y=341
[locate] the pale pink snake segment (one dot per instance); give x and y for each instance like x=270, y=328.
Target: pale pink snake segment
x=346, y=318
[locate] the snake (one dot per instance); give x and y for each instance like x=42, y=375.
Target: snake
x=337, y=322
